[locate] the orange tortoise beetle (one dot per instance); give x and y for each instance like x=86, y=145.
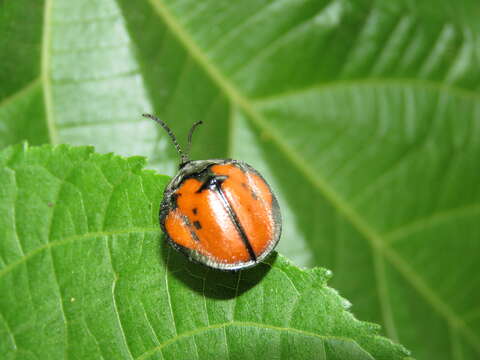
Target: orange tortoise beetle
x=220, y=212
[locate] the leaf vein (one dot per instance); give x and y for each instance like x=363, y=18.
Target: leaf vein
x=244, y=24
x=149, y=323
x=10, y=333
x=20, y=93
x=167, y=289
x=274, y=44
x=86, y=236
x=45, y=73
x=98, y=48
x=424, y=84
x=382, y=288
x=437, y=218
x=86, y=21
x=60, y=300
x=226, y=342
x=14, y=208
x=225, y=325
x=97, y=79
x=114, y=300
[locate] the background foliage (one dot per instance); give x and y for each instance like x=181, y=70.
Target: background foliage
x=363, y=115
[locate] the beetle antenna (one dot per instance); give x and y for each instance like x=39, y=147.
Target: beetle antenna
x=190, y=134
x=183, y=156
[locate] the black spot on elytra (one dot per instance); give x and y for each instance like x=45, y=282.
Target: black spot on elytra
x=197, y=225
x=195, y=211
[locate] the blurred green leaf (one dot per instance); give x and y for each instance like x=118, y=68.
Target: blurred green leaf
x=362, y=114
x=83, y=275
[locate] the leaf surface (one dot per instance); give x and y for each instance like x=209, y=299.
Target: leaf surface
x=364, y=116
x=84, y=274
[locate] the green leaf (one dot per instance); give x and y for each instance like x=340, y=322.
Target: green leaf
x=84, y=274
x=364, y=116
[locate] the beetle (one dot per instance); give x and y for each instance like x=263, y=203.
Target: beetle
x=219, y=212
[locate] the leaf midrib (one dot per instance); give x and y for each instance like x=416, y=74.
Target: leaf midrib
x=369, y=233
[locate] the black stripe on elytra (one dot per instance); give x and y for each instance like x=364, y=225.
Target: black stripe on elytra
x=214, y=183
